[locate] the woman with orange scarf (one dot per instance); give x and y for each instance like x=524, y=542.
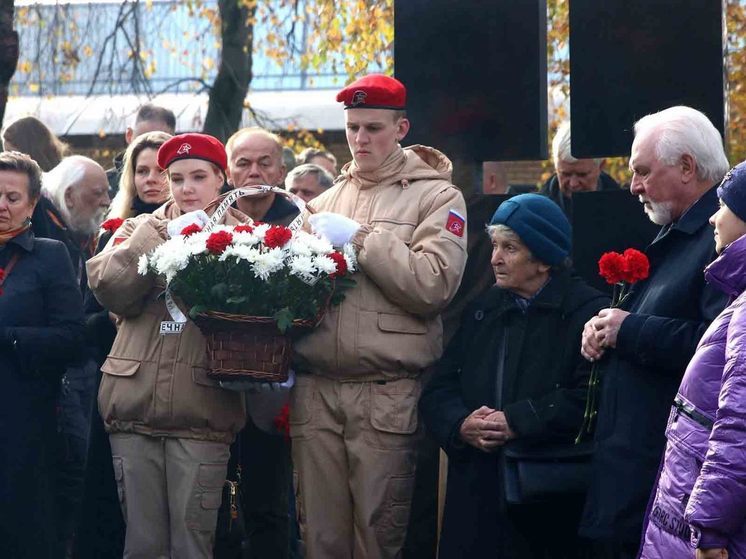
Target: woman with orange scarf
x=41, y=330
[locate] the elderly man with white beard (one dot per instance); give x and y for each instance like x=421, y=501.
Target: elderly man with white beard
x=73, y=205
x=677, y=161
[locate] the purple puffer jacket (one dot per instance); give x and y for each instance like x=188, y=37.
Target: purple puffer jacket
x=700, y=498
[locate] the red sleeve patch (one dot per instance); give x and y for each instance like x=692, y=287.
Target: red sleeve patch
x=456, y=223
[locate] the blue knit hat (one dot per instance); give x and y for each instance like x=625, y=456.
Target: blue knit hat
x=732, y=191
x=541, y=225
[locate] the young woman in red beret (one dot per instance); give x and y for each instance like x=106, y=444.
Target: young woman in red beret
x=170, y=426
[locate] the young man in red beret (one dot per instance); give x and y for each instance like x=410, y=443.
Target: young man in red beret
x=353, y=410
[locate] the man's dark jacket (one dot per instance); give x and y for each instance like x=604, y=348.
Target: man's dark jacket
x=552, y=190
x=671, y=310
x=543, y=397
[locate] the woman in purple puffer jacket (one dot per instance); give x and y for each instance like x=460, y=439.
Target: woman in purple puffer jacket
x=699, y=508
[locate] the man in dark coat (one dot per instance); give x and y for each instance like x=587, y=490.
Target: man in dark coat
x=677, y=159
x=573, y=175
x=514, y=372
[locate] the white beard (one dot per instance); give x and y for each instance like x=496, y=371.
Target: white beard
x=88, y=225
x=659, y=213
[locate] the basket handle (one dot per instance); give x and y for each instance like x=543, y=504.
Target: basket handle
x=225, y=201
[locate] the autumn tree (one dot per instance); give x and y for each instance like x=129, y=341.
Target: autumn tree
x=345, y=38
x=8, y=51
x=558, y=29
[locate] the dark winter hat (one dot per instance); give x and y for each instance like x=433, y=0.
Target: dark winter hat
x=732, y=191
x=374, y=91
x=192, y=146
x=541, y=225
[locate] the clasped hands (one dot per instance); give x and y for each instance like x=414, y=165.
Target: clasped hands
x=601, y=332
x=486, y=429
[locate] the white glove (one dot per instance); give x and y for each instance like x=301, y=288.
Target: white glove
x=197, y=217
x=335, y=228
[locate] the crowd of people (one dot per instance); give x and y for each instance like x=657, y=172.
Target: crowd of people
x=115, y=442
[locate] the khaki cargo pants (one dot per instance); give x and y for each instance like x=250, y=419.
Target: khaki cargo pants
x=354, y=451
x=170, y=491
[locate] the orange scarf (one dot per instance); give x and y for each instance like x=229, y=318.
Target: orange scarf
x=8, y=235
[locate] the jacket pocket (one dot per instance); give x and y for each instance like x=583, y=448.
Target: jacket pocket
x=199, y=376
x=401, y=324
x=302, y=404
x=202, y=509
x=402, y=230
x=120, y=367
x=393, y=413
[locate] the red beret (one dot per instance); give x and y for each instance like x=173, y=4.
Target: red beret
x=192, y=146
x=374, y=91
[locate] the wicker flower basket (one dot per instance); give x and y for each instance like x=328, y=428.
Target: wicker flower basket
x=247, y=347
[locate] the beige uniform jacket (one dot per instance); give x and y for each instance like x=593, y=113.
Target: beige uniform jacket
x=411, y=265
x=155, y=384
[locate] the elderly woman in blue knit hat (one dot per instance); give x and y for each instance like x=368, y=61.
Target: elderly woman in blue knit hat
x=508, y=396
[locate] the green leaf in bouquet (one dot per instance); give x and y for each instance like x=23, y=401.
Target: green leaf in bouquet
x=197, y=309
x=237, y=299
x=219, y=291
x=284, y=319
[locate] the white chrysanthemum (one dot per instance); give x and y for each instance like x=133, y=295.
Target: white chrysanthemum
x=245, y=238
x=240, y=252
x=302, y=267
x=142, y=265
x=299, y=245
x=267, y=263
x=318, y=245
x=171, y=257
x=325, y=264
x=261, y=230
x=350, y=257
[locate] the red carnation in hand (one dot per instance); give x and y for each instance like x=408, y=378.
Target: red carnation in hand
x=612, y=267
x=219, y=241
x=112, y=224
x=276, y=236
x=637, y=265
x=282, y=421
x=243, y=229
x=191, y=229
x=341, y=263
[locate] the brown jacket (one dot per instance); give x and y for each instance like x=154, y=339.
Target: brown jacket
x=155, y=384
x=410, y=267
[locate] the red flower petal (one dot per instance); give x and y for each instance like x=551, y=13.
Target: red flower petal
x=112, y=224
x=243, y=229
x=341, y=263
x=611, y=267
x=191, y=229
x=277, y=236
x=217, y=242
x=637, y=265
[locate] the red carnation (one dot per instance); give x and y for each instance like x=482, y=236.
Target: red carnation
x=191, y=229
x=243, y=229
x=219, y=241
x=612, y=267
x=276, y=236
x=637, y=265
x=282, y=421
x=341, y=263
x=112, y=224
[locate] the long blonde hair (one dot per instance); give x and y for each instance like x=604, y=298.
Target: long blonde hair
x=121, y=206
